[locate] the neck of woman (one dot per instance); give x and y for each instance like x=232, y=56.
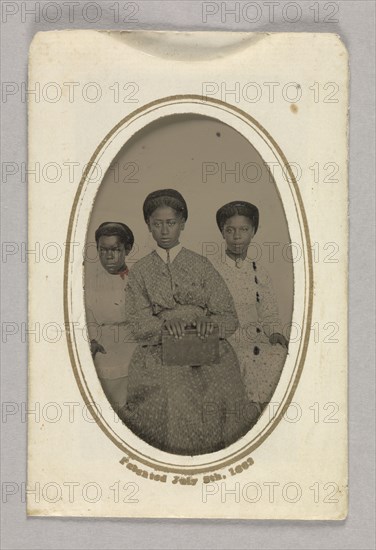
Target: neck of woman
x=235, y=257
x=121, y=270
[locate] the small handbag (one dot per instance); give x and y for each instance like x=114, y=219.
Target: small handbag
x=190, y=350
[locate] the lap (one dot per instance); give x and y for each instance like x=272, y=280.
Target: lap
x=183, y=409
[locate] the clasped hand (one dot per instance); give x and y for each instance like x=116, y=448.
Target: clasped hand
x=96, y=347
x=277, y=338
x=176, y=327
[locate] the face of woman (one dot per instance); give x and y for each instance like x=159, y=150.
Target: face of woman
x=238, y=232
x=165, y=224
x=111, y=253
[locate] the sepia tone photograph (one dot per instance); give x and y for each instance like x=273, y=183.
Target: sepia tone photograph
x=188, y=306
x=187, y=325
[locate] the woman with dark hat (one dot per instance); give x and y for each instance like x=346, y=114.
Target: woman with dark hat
x=258, y=341
x=183, y=409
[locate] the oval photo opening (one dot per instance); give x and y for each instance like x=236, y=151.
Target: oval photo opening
x=189, y=285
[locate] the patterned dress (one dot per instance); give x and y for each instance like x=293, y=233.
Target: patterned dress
x=184, y=410
x=261, y=363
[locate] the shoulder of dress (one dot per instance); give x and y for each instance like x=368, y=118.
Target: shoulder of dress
x=199, y=259
x=188, y=252
x=142, y=264
x=98, y=277
x=190, y=255
x=217, y=263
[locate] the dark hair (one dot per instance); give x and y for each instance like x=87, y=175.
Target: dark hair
x=165, y=197
x=115, y=229
x=240, y=208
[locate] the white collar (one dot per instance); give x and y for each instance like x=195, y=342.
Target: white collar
x=162, y=252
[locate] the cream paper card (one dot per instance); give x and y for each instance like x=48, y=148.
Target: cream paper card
x=219, y=118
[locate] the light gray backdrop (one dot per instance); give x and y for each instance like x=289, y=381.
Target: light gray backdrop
x=195, y=155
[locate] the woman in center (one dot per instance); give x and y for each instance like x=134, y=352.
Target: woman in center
x=190, y=409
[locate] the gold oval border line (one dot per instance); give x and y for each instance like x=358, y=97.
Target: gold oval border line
x=148, y=461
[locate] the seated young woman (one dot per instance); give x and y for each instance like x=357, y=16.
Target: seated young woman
x=259, y=343
x=190, y=409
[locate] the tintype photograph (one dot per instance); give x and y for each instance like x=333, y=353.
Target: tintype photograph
x=188, y=305
x=200, y=302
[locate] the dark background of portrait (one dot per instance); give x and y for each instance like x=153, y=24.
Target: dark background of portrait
x=177, y=152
